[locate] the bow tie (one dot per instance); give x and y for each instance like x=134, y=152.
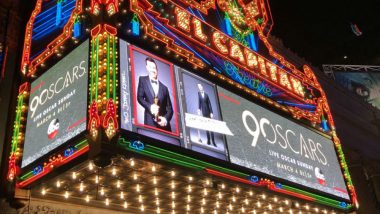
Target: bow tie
x=153, y=81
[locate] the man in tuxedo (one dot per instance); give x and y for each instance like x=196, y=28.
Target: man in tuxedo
x=205, y=109
x=154, y=96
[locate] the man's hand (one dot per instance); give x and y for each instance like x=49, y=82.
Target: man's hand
x=211, y=115
x=163, y=122
x=154, y=109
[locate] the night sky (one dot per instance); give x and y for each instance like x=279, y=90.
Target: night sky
x=320, y=31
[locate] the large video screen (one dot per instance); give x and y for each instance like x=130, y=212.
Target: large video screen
x=57, y=105
x=364, y=84
x=269, y=143
x=166, y=102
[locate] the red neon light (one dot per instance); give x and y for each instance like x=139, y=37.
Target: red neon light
x=13, y=170
x=234, y=178
x=110, y=116
x=24, y=87
x=100, y=28
x=111, y=6
x=94, y=119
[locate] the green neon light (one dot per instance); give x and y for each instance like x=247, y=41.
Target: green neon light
x=108, y=67
x=27, y=175
x=81, y=144
x=16, y=130
x=318, y=198
x=92, y=71
x=114, y=68
x=97, y=67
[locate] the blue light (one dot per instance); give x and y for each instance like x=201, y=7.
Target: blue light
x=324, y=125
x=227, y=26
x=305, y=106
x=37, y=170
x=68, y=152
x=138, y=145
x=77, y=30
x=343, y=204
x=254, y=178
x=279, y=185
x=58, y=15
x=178, y=39
x=53, y=17
x=252, y=42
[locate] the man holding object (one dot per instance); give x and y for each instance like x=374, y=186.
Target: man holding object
x=153, y=95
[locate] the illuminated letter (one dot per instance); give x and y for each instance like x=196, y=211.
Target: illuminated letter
x=235, y=52
x=183, y=19
x=267, y=122
x=272, y=71
x=284, y=81
x=262, y=66
x=297, y=85
x=255, y=133
x=198, y=30
x=250, y=58
x=219, y=41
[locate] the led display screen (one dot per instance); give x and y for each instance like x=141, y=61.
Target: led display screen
x=208, y=119
x=364, y=84
x=269, y=143
x=57, y=105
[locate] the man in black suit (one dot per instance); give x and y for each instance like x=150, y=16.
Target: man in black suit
x=204, y=107
x=154, y=96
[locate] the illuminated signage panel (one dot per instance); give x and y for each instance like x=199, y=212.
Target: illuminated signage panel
x=57, y=105
x=271, y=144
x=213, y=121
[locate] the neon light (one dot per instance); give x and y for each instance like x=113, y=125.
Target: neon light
x=30, y=64
x=252, y=42
x=198, y=32
x=183, y=19
x=182, y=160
x=135, y=25
x=53, y=163
x=18, y=132
x=227, y=26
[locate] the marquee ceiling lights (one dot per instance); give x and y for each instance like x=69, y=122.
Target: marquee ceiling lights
x=140, y=186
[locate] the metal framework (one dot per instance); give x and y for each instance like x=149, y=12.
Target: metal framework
x=330, y=69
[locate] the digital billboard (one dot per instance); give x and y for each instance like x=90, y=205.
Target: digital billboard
x=215, y=122
x=364, y=84
x=271, y=144
x=57, y=105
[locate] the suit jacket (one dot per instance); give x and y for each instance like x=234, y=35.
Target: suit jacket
x=204, y=104
x=145, y=96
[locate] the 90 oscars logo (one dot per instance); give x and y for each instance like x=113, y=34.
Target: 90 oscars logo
x=286, y=138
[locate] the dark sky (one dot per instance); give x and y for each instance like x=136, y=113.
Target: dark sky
x=320, y=31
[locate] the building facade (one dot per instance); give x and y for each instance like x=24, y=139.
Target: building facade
x=178, y=106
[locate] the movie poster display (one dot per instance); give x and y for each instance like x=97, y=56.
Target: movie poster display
x=271, y=144
x=205, y=129
x=154, y=96
x=57, y=105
